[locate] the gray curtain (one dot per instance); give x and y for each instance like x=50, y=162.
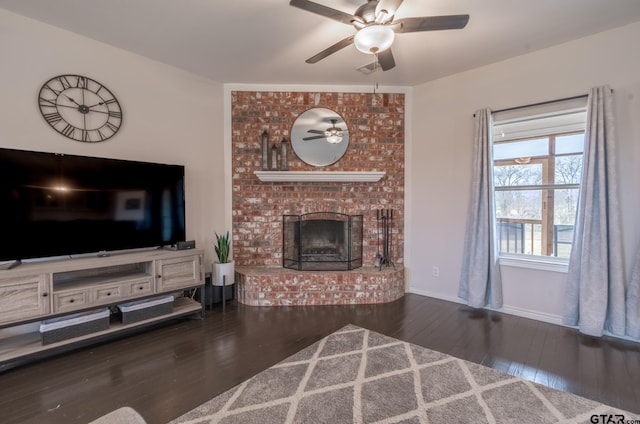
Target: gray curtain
x=633, y=301
x=595, y=298
x=480, y=282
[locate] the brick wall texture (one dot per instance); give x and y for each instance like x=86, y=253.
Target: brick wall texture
x=270, y=286
x=376, y=129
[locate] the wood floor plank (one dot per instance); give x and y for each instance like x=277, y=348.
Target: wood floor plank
x=173, y=368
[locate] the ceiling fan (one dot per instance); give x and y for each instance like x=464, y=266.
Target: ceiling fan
x=376, y=28
x=333, y=134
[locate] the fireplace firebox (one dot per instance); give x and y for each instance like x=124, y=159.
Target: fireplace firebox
x=322, y=241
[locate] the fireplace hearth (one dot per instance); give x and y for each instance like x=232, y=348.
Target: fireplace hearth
x=322, y=241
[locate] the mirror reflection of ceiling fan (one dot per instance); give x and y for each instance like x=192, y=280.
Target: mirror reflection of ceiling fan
x=376, y=28
x=333, y=134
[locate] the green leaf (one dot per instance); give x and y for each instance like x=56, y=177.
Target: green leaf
x=222, y=247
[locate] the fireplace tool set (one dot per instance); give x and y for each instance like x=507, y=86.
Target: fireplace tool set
x=384, y=217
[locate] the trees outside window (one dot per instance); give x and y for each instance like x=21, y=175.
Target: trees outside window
x=536, y=183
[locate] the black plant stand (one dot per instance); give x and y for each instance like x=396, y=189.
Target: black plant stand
x=214, y=294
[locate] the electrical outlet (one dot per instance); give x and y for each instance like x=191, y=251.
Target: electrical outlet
x=435, y=271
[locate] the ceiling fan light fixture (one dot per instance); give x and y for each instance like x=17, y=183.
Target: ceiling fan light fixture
x=374, y=38
x=334, y=136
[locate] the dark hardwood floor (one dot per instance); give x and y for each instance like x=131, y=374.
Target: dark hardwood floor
x=169, y=370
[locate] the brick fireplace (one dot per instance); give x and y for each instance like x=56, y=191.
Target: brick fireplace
x=376, y=125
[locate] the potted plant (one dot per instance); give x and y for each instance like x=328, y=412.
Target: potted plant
x=224, y=267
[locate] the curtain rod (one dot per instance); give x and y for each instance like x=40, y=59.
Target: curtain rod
x=539, y=103
x=582, y=96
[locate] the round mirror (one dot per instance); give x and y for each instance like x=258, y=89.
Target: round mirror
x=319, y=136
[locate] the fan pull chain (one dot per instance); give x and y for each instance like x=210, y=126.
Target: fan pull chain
x=375, y=69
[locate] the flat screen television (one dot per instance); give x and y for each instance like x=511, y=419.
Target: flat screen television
x=59, y=205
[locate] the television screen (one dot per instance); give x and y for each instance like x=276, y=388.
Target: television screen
x=56, y=205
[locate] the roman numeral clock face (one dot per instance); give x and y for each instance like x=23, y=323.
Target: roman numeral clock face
x=80, y=108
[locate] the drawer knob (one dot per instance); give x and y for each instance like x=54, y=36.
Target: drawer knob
x=140, y=288
x=45, y=294
x=108, y=293
x=71, y=300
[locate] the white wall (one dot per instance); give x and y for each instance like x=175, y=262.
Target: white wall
x=170, y=116
x=175, y=117
x=442, y=149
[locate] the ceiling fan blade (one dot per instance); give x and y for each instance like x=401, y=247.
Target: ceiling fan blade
x=328, y=12
x=315, y=131
x=385, y=59
x=330, y=50
x=317, y=137
x=430, y=23
x=386, y=9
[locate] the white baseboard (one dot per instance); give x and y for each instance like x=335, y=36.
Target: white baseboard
x=511, y=310
x=435, y=295
x=525, y=313
x=520, y=312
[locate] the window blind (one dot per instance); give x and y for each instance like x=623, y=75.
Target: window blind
x=562, y=116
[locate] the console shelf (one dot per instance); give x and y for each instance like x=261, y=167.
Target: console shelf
x=35, y=292
x=24, y=345
x=97, y=280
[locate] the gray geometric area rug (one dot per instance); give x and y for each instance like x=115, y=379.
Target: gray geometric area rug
x=358, y=376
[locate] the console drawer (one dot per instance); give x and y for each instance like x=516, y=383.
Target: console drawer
x=71, y=300
x=141, y=287
x=107, y=293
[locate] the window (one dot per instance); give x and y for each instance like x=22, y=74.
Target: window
x=537, y=174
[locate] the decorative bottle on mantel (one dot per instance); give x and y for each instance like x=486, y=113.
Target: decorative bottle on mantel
x=274, y=158
x=265, y=150
x=284, y=148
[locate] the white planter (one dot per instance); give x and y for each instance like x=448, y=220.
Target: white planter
x=222, y=270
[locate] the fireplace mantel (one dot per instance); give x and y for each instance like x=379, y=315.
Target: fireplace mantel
x=320, y=176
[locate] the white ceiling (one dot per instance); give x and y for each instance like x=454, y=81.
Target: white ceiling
x=267, y=41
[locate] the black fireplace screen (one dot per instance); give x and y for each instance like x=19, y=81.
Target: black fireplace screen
x=322, y=241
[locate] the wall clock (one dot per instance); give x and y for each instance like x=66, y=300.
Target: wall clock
x=80, y=108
